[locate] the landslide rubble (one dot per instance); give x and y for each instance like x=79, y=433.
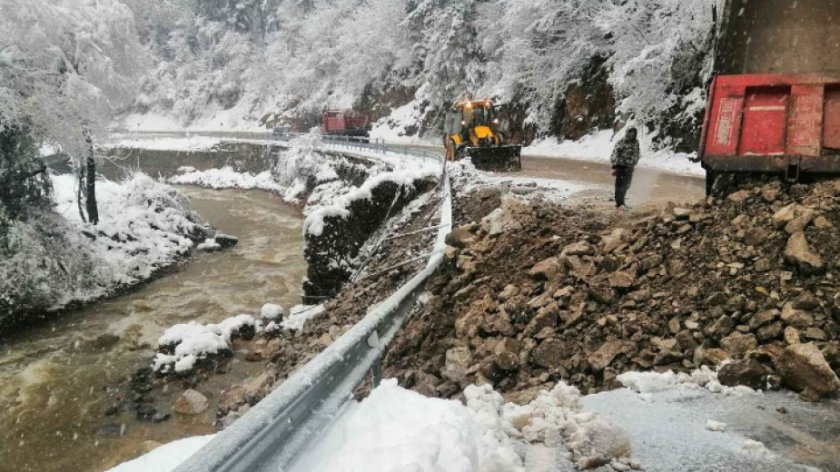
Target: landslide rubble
x=533, y=294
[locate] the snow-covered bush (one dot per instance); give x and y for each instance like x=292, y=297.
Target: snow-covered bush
x=52, y=258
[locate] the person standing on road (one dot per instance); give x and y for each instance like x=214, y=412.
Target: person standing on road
x=624, y=158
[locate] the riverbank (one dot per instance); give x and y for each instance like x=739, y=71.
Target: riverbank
x=57, y=380
x=54, y=260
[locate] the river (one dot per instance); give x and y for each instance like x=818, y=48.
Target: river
x=57, y=380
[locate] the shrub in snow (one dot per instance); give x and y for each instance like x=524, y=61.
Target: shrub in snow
x=183, y=345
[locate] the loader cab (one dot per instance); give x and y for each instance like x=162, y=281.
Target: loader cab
x=471, y=129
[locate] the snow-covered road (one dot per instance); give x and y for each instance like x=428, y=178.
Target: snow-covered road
x=672, y=424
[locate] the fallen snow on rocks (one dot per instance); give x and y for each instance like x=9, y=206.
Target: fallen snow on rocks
x=397, y=429
x=405, y=430
x=647, y=383
x=185, y=344
x=339, y=207
x=300, y=314
x=469, y=179
x=227, y=177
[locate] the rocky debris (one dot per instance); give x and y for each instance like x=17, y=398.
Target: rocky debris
x=804, y=369
x=749, y=372
x=226, y=240
x=191, y=402
x=462, y=236
x=799, y=252
x=588, y=295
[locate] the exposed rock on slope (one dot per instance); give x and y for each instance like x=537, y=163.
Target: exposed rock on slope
x=533, y=295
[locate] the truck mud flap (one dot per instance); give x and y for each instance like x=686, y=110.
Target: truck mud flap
x=501, y=158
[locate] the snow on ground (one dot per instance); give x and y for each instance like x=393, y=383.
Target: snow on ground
x=666, y=422
x=393, y=128
x=164, y=458
x=218, y=120
x=143, y=225
x=227, y=177
x=404, y=430
x=598, y=146
x=314, y=222
x=300, y=314
x=681, y=426
x=187, y=343
x=162, y=143
x=469, y=179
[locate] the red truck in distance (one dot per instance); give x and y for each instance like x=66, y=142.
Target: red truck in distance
x=345, y=123
x=781, y=124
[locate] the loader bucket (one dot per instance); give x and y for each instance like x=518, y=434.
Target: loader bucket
x=496, y=158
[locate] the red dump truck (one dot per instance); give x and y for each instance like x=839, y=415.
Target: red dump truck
x=771, y=123
x=345, y=123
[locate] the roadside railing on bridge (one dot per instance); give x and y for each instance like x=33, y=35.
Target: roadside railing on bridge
x=272, y=434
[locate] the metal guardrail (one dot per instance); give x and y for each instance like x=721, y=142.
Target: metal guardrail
x=272, y=434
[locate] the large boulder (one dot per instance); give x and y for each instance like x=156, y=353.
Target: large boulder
x=549, y=269
x=462, y=236
x=458, y=360
x=190, y=402
x=804, y=369
x=608, y=351
x=580, y=248
x=550, y=353
x=226, y=240
x=622, y=280
x=748, y=372
x=230, y=399
x=738, y=344
x=800, y=253
x=797, y=318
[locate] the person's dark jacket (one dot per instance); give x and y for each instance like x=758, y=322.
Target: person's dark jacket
x=626, y=153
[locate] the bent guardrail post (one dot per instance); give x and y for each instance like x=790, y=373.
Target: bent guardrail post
x=272, y=434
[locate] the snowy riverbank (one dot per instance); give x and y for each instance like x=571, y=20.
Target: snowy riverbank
x=58, y=260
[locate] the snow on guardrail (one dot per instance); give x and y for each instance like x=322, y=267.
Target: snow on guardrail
x=272, y=433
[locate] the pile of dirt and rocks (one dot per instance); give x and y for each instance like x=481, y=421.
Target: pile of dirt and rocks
x=533, y=294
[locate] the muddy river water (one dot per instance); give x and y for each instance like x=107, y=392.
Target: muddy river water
x=55, y=378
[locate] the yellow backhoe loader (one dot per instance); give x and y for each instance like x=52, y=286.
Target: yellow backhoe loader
x=472, y=130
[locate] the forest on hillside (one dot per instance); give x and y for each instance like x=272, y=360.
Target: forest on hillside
x=71, y=70
x=564, y=67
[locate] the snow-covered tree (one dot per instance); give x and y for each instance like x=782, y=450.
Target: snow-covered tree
x=67, y=67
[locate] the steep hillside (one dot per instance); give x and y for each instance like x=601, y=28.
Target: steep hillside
x=564, y=67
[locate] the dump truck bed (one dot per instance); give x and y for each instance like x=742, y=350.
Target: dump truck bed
x=774, y=123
